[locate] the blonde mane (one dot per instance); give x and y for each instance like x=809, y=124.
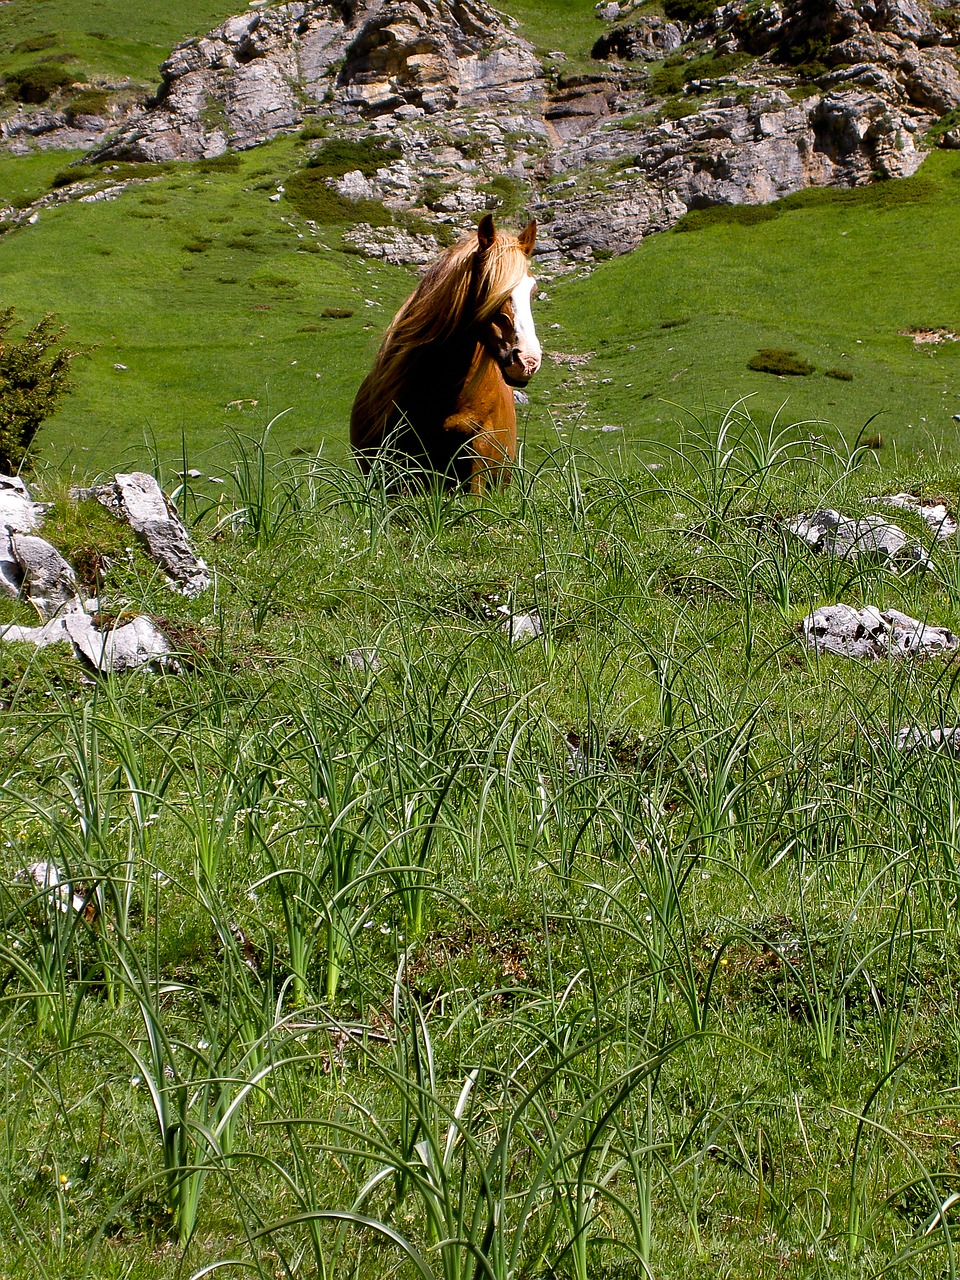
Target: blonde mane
x=434, y=314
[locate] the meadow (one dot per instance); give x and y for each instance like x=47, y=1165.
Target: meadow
x=627, y=950
x=398, y=943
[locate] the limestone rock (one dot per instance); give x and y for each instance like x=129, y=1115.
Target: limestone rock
x=935, y=514
x=913, y=738
x=648, y=39
x=118, y=649
x=392, y=244
x=252, y=77
x=520, y=626
x=870, y=537
x=47, y=580
x=869, y=633
x=139, y=500
x=18, y=514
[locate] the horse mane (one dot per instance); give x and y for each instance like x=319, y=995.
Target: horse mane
x=462, y=287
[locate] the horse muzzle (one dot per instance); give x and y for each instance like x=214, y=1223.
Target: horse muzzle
x=518, y=372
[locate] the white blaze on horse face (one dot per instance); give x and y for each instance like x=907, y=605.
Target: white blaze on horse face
x=528, y=343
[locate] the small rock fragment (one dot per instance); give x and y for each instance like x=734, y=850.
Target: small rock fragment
x=935, y=514
x=362, y=660
x=46, y=875
x=914, y=738
x=871, y=536
x=520, y=626
x=119, y=649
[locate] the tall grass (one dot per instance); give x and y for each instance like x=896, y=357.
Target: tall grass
x=629, y=949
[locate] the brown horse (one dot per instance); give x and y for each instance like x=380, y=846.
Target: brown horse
x=438, y=399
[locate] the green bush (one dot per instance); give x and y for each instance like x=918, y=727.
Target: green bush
x=75, y=173
x=39, y=82
x=776, y=360
x=309, y=194
x=88, y=102
x=225, y=163
x=344, y=155
x=688, y=10
x=34, y=376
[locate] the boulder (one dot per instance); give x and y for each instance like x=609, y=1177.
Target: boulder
x=649, y=39
x=118, y=649
x=869, y=537
x=871, y=634
x=139, y=500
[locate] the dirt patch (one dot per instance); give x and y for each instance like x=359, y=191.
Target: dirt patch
x=924, y=337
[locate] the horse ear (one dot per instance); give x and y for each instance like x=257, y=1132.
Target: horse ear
x=486, y=232
x=528, y=237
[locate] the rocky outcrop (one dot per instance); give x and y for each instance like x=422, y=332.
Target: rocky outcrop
x=872, y=634
x=258, y=73
x=759, y=100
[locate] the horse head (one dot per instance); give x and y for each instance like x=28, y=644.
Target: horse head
x=508, y=333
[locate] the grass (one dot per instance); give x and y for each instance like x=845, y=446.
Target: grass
x=110, y=39
x=630, y=950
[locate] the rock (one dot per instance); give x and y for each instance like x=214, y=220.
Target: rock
x=913, y=738
x=869, y=633
x=18, y=514
x=648, y=39
x=935, y=514
x=47, y=581
x=252, y=77
x=139, y=500
x=392, y=244
x=119, y=649
x=871, y=537
x=48, y=877
x=362, y=660
x=520, y=626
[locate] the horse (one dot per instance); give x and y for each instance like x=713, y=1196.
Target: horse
x=438, y=400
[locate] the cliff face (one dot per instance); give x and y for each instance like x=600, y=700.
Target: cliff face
x=747, y=104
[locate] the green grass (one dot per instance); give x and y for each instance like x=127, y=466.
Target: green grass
x=110, y=39
x=836, y=277
x=630, y=950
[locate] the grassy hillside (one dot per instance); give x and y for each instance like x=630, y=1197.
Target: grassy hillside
x=629, y=951
x=104, y=39
x=211, y=293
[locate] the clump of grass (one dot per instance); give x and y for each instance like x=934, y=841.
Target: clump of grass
x=39, y=82
x=228, y=162
x=191, y=246
x=344, y=155
x=336, y=313
x=311, y=196
x=841, y=375
x=36, y=44
x=781, y=362
x=741, y=215
x=89, y=102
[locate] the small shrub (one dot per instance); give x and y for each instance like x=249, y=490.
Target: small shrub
x=776, y=360
x=344, y=155
x=841, y=375
x=678, y=108
x=75, y=173
x=674, y=324
x=192, y=246
x=745, y=215
x=667, y=81
x=310, y=328
x=312, y=132
x=36, y=44
x=34, y=377
x=39, y=82
x=89, y=102
x=226, y=163
x=688, y=10
x=336, y=313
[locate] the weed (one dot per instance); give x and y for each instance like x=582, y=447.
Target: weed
x=776, y=360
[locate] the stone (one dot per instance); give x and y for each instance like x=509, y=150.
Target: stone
x=48, y=877
x=139, y=500
x=913, y=738
x=649, y=39
x=871, y=537
x=934, y=514
x=520, y=626
x=47, y=580
x=118, y=649
x=871, y=634
x=18, y=514
x=362, y=660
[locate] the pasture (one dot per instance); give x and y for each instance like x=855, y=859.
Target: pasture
x=406, y=944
